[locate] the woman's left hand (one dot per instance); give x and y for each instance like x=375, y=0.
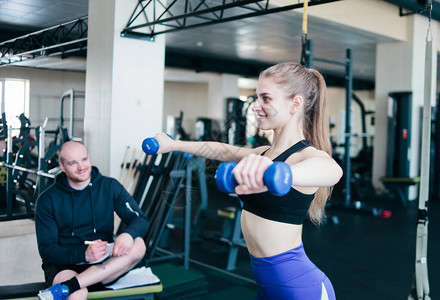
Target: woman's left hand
x=249, y=174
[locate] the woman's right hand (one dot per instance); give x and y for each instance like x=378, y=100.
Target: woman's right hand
x=249, y=174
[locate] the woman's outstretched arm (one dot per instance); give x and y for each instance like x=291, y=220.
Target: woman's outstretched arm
x=210, y=150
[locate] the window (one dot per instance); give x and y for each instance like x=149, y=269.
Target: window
x=14, y=98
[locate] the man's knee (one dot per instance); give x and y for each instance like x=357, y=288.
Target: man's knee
x=63, y=276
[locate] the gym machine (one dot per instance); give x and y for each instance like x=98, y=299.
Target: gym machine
x=235, y=122
x=12, y=168
x=3, y=127
x=362, y=163
x=62, y=133
x=206, y=129
x=162, y=178
x=72, y=95
x=22, y=147
x=307, y=59
x=175, y=127
x=397, y=177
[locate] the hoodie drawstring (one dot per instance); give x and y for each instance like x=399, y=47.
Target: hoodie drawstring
x=73, y=214
x=93, y=207
x=92, y=203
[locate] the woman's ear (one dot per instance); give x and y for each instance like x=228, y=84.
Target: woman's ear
x=297, y=103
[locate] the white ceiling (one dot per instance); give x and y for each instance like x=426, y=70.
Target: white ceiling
x=268, y=39
x=40, y=13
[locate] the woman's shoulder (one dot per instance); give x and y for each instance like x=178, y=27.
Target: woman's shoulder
x=312, y=151
x=306, y=153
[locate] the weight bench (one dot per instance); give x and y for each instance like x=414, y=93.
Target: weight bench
x=398, y=185
x=29, y=291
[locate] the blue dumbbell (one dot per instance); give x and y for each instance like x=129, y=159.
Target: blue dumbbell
x=277, y=178
x=150, y=145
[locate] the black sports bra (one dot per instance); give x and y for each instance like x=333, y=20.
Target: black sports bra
x=291, y=208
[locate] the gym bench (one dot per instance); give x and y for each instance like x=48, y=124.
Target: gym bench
x=29, y=291
x=231, y=233
x=398, y=185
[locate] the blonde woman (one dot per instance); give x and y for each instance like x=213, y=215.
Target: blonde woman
x=291, y=101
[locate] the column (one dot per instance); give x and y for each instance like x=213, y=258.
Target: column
x=220, y=88
x=124, y=85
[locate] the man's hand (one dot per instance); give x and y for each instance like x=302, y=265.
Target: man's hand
x=96, y=250
x=123, y=244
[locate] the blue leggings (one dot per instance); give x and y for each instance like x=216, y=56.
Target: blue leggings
x=290, y=275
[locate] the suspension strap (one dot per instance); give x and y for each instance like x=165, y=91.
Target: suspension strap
x=421, y=280
x=304, y=23
x=305, y=59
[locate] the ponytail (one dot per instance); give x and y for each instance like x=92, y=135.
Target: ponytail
x=320, y=139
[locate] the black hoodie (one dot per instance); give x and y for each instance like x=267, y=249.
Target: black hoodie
x=65, y=217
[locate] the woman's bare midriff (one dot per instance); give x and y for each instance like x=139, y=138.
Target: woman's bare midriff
x=267, y=238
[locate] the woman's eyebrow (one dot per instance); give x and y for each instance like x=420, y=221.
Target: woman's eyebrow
x=262, y=94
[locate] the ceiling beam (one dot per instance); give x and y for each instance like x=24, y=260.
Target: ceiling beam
x=154, y=17
x=62, y=39
x=70, y=39
x=419, y=7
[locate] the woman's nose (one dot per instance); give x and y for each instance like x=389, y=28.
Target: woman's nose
x=256, y=105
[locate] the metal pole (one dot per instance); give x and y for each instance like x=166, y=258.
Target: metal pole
x=41, y=163
x=187, y=219
x=66, y=93
x=310, y=57
x=41, y=148
x=72, y=107
x=349, y=92
x=19, y=168
x=9, y=183
x=3, y=97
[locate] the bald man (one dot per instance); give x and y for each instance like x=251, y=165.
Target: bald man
x=74, y=224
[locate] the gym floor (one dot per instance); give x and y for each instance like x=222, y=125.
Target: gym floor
x=365, y=256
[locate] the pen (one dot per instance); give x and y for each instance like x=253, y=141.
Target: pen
x=89, y=242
